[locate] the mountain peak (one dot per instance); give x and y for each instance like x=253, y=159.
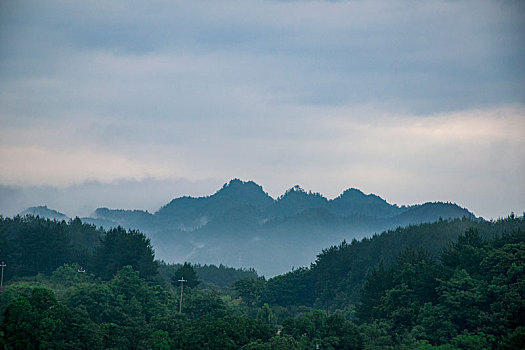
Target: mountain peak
x=237, y=187
x=44, y=212
x=298, y=191
x=354, y=201
x=352, y=192
x=294, y=189
x=233, y=183
x=296, y=200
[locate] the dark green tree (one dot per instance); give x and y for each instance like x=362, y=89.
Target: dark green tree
x=120, y=248
x=250, y=290
x=187, y=273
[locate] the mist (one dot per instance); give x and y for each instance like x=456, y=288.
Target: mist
x=82, y=199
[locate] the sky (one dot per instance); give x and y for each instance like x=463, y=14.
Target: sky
x=128, y=104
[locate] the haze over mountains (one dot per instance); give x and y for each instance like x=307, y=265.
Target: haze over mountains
x=44, y=212
x=241, y=225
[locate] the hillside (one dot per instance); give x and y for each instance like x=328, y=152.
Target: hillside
x=44, y=212
x=408, y=284
x=337, y=276
x=452, y=284
x=241, y=225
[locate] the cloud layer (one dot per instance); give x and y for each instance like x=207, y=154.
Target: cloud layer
x=413, y=101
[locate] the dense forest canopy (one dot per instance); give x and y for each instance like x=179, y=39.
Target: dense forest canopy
x=336, y=278
x=452, y=284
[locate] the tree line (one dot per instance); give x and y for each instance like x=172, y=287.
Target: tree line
x=335, y=280
x=30, y=245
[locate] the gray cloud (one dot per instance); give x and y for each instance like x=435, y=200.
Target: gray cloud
x=83, y=198
x=425, y=57
x=318, y=93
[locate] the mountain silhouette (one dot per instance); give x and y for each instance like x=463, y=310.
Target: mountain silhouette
x=241, y=225
x=44, y=212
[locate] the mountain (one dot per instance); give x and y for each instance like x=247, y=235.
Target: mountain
x=353, y=201
x=126, y=218
x=427, y=213
x=44, y=212
x=297, y=200
x=241, y=225
x=188, y=213
x=335, y=279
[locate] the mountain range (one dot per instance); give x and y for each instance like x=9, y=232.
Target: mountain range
x=241, y=225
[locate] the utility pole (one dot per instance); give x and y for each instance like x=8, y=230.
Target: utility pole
x=2, y=279
x=182, y=280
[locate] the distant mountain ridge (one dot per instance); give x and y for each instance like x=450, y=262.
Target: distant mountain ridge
x=242, y=225
x=44, y=212
x=237, y=193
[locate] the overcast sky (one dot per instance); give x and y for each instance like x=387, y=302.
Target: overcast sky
x=131, y=103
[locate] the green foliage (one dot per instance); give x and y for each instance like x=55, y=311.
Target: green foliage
x=33, y=245
x=284, y=342
x=187, y=273
x=250, y=290
x=514, y=339
x=472, y=297
x=327, y=331
x=160, y=340
x=120, y=248
x=377, y=282
x=210, y=276
x=265, y=315
x=40, y=322
x=70, y=275
x=337, y=277
x=292, y=288
x=126, y=312
x=377, y=335
x=222, y=276
x=203, y=303
x=453, y=303
x=20, y=324
x=467, y=253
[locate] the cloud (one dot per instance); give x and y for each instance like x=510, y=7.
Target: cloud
x=83, y=198
x=406, y=158
x=134, y=59
x=30, y=165
x=413, y=101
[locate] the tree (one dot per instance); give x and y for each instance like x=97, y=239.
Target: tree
x=187, y=273
x=202, y=303
x=70, y=275
x=40, y=245
x=378, y=281
x=250, y=290
x=19, y=324
x=467, y=253
x=464, y=299
x=265, y=314
x=120, y=248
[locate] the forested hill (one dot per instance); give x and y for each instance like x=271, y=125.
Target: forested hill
x=44, y=212
x=189, y=213
x=32, y=245
x=241, y=225
x=454, y=284
x=336, y=278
